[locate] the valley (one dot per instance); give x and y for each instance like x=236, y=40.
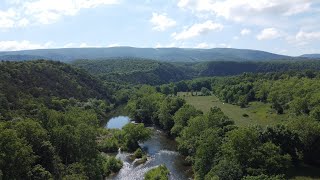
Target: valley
x=270, y=107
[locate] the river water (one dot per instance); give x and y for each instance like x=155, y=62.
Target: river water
x=160, y=150
x=117, y=122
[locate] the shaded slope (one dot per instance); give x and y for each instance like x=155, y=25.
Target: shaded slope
x=42, y=79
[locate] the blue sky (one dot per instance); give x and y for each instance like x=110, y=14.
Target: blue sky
x=281, y=26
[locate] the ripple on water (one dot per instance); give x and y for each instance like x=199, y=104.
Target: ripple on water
x=160, y=150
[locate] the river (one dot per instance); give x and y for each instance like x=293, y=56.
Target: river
x=160, y=150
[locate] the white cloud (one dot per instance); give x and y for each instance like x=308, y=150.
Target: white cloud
x=23, y=22
x=197, y=29
x=203, y=45
x=21, y=13
x=263, y=12
x=70, y=45
x=245, y=32
x=307, y=36
x=268, y=33
x=240, y=10
x=22, y=45
x=303, y=38
x=161, y=22
x=158, y=45
x=183, y=3
x=85, y=45
x=114, y=45
x=222, y=45
x=7, y=18
x=207, y=46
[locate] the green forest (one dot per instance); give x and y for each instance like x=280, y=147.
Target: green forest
x=51, y=115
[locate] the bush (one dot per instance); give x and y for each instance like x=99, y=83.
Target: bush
x=264, y=177
x=245, y=115
x=138, y=153
x=111, y=165
x=159, y=173
x=109, y=145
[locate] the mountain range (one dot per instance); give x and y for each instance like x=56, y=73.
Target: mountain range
x=161, y=54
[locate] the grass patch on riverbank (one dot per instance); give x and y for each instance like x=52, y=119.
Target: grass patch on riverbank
x=256, y=113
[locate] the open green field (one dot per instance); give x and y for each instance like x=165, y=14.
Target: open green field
x=258, y=112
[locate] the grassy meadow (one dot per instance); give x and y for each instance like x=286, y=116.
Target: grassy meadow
x=256, y=113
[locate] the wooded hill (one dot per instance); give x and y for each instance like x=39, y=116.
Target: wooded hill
x=160, y=54
x=144, y=71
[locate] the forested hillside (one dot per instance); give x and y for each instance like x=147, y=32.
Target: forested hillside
x=50, y=116
x=136, y=71
x=160, y=54
x=311, y=56
x=49, y=78
x=143, y=71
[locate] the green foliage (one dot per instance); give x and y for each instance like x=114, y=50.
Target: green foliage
x=135, y=71
x=109, y=144
x=243, y=145
x=16, y=156
x=308, y=131
x=225, y=170
x=158, y=173
x=205, y=91
x=168, y=107
x=134, y=133
x=143, y=106
x=138, y=153
x=111, y=165
x=181, y=118
x=282, y=136
x=208, y=146
x=75, y=171
x=40, y=173
x=144, y=71
x=264, y=177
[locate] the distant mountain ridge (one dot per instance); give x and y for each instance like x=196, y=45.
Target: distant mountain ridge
x=161, y=54
x=311, y=56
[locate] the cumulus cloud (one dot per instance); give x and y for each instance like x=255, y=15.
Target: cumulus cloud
x=203, y=45
x=197, y=30
x=245, y=32
x=21, y=13
x=7, y=18
x=268, y=33
x=161, y=22
x=22, y=45
x=158, y=45
x=207, y=46
x=114, y=45
x=49, y=11
x=254, y=11
x=307, y=36
x=83, y=45
x=302, y=37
